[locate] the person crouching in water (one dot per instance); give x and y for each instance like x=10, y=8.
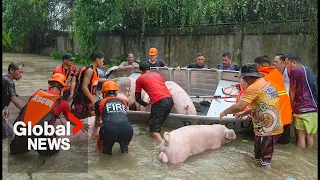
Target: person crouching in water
x=111, y=115
x=38, y=110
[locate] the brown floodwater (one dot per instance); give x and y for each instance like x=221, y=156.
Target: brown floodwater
x=233, y=161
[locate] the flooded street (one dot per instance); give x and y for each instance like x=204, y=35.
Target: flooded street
x=233, y=161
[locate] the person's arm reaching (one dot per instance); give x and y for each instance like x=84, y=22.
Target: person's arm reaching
x=239, y=106
x=102, y=80
x=138, y=92
x=65, y=108
x=164, y=65
x=97, y=113
x=17, y=102
x=139, y=100
x=86, y=80
x=73, y=86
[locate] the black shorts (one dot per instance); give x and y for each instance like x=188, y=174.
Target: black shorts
x=285, y=136
x=121, y=134
x=159, y=113
x=263, y=148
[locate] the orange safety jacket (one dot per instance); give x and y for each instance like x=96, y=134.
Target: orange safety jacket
x=43, y=101
x=93, y=84
x=69, y=73
x=277, y=81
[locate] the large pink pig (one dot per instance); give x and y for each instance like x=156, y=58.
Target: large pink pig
x=182, y=101
x=181, y=143
x=92, y=133
x=126, y=89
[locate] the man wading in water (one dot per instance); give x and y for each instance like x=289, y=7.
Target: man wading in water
x=49, y=113
x=15, y=72
x=111, y=115
x=161, y=99
x=87, y=85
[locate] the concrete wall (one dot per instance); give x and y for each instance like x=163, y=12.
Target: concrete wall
x=180, y=49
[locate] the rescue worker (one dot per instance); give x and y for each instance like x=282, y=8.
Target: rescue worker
x=161, y=99
x=111, y=115
x=43, y=106
x=277, y=81
x=87, y=86
x=153, y=61
x=69, y=70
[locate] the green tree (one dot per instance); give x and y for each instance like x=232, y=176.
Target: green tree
x=23, y=19
x=91, y=16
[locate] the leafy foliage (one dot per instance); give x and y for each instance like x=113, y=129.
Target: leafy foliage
x=22, y=18
x=26, y=20
x=6, y=41
x=91, y=16
x=60, y=14
x=86, y=18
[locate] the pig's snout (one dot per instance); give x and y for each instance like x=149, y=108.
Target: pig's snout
x=230, y=134
x=163, y=157
x=166, y=137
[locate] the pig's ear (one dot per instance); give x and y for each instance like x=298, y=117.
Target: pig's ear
x=230, y=134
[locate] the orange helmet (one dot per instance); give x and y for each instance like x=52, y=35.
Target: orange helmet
x=58, y=77
x=109, y=86
x=153, y=51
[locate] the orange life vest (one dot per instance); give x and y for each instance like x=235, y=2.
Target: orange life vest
x=277, y=81
x=93, y=84
x=43, y=101
x=69, y=73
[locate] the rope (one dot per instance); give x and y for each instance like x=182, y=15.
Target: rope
x=229, y=94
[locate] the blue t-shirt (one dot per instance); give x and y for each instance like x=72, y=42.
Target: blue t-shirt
x=101, y=73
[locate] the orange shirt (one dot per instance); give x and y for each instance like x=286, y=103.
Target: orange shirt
x=266, y=115
x=277, y=81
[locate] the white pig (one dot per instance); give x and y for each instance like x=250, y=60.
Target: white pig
x=182, y=101
x=181, y=143
x=126, y=89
